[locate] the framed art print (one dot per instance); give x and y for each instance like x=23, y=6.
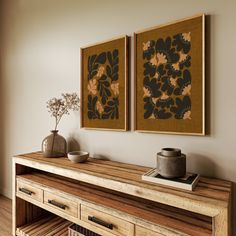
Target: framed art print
x=169, y=78
x=104, y=85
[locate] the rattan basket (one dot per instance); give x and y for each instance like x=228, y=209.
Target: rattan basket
x=77, y=230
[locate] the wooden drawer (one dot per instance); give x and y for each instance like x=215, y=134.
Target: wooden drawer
x=66, y=205
x=27, y=191
x=140, y=231
x=106, y=221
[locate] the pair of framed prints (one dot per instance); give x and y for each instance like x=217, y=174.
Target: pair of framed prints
x=168, y=80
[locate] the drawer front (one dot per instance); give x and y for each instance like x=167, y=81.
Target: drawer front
x=66, y=205
x=140, y=231
x=106, y=221
x=26, y=190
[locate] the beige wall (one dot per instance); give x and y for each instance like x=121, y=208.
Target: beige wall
x=40, y=59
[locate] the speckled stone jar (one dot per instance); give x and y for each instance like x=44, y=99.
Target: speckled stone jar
x=171, y=163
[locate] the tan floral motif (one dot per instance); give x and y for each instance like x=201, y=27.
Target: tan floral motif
x=161, y=58
x=187, y=36
x=173, y=81
x=146, y=45
x=152, y=117
x=164, y=96
x=92, y=86
x=154, y=100
x=153, y=61
x=100, y=72
x=187, y=90
x=103, y=80
x=115, y=88
x=167, y=77
x=146, y=92
x=176, y=66
x=99, y=107
x=187, y=115
x=156, y=76
x=182, y=56
x=158, y=59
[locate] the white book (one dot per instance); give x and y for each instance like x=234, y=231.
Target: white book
x=188, y=182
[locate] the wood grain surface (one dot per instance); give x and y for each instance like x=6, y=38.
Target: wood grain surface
x=127, y=173
x=118, y=189
x=165, y=216
x=47, y=226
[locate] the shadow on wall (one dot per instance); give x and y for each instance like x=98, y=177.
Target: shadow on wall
x=2, y=99
x=72, y=144
x=201, y=164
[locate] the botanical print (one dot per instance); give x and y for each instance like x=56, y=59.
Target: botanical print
x=103, y=85
x=167, y=77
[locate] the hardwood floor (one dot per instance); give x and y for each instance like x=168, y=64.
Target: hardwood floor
x=5, y=216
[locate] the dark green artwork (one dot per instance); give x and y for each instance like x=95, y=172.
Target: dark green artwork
x=167, y=77
x=103, y=85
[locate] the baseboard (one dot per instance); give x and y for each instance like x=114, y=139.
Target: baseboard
x=6, y=192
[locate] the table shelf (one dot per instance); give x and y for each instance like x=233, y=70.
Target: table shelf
x=117, y=191
x=47, y=226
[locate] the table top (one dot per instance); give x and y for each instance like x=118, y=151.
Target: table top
x=127, y=178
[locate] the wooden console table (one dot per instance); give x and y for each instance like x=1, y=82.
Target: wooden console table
x=110, y=198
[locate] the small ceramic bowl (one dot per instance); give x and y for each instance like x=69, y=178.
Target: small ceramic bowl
x=78, y=156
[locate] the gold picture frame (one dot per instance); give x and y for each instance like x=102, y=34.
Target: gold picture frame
x=170, y=78
x=104, y=85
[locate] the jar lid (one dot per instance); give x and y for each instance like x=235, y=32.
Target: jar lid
x=171, y=152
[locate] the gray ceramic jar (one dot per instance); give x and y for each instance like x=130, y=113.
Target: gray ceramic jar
x=171, y=163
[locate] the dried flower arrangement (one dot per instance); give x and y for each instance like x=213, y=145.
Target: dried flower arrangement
x=61, y=106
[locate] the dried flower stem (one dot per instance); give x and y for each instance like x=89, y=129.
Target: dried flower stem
x=61, y=106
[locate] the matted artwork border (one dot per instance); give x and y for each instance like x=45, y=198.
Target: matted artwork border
x=104, y=85
x=169, y=78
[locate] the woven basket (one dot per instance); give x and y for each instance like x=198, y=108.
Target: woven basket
x=77, y=230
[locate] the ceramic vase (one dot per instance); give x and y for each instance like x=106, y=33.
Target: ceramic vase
x=54, y=145
x=171, y=163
